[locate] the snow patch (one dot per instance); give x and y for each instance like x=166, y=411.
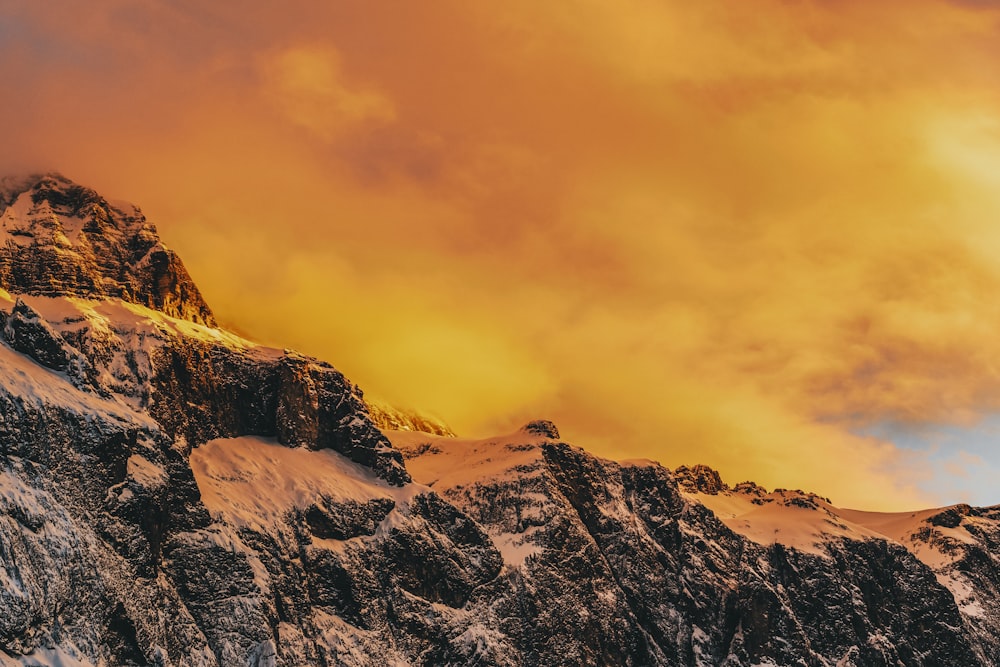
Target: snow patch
x=255, y=482
x=784, y=517
x=45, y=657
x=34, y=383
x=146, y=473
x=516, y=547
x=449, y=463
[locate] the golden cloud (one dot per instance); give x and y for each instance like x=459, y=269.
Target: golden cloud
x=307, y=85
x=734, y=233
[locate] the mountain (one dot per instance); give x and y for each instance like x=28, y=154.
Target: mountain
x=61, y=239
x=173, y=494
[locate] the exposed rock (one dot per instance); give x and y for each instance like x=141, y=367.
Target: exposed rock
x=542, y=427
x=750, y=489
x=699, y=479
x=58, y=238
x=27, y=333
x=951, y=517
x=317, y=407
x=331, y=520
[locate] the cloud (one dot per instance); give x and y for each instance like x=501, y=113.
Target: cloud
x=687, y=231
x=307, y=85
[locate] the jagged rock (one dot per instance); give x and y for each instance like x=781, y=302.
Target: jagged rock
x=27, y=333
x=318, y=407
x=750, y=489
x=699, y=479
x=951, y=517
x=542, y=427
x=331, y=520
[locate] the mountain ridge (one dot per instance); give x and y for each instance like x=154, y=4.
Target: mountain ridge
x=173, y=494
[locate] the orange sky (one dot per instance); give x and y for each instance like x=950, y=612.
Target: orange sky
x=728, y=232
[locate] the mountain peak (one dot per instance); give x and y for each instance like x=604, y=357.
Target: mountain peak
x=58, y=238
x=14, y=185
x=542, y=427
x=699, y=478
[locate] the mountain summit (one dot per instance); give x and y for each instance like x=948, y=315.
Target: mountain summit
x=174, y=495
x=58, y=238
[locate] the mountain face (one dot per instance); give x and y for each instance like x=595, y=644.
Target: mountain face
x=172, y=494
x=60, y=239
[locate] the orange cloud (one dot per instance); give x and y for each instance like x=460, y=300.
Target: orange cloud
x=710, y=231
x=307, y=85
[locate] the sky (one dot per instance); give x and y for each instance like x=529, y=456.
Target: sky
x=763, y=236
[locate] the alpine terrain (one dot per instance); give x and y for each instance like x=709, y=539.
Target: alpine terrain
x=172, y=494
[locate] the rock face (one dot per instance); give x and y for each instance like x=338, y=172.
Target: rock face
x=171, y=494
x=58, y=238
x=619, y=565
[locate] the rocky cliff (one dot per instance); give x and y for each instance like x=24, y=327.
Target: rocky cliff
x=58, y=238
x=172, y=494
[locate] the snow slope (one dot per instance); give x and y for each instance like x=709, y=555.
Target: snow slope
x=255, y=482
x=445, y=462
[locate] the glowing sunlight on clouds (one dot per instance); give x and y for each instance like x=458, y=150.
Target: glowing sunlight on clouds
x=307, y=84
x=735, y=233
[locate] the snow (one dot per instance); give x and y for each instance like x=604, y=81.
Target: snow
x=107, y=315
x=896, y=525
x=14, y=221
x=516, y=547
x=125, y=337
x=792, y=525
x=45, y=657
x=777, y=520
x=963, y=591
x=36, y=384
x=24, y=223
x=446, y=462
x=116, y=317
x=145, y=472
x=352, y=645
x=254, y=482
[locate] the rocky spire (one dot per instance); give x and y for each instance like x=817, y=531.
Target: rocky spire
x=58, y=238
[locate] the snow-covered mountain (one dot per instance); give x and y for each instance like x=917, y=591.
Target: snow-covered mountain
x=172, y=494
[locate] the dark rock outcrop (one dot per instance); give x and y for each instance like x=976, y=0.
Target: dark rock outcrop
x=542, y=427
x=29, y=334
x=699, y=479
